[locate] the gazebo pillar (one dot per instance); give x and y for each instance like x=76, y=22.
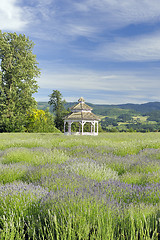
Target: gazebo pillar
x=91, y=127
x=94, y=127
x=82, y=127
x=79, y=128
x=69, y=127
x=83, y=122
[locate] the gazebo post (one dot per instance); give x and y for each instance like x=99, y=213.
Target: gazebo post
x=69, y=127
x=94, y=127
x=82, y=127
x=91, y=127
x=79, y=128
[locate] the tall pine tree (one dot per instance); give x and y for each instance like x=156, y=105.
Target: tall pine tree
x=18, y=72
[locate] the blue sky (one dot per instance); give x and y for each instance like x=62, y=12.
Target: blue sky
x=107, y=51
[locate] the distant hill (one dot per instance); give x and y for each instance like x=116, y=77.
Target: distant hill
x=142, y=108
x=111, y=110
x=123, y=117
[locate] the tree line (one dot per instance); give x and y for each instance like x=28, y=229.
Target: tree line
x=18, y=108
x=18, y=72
x=127, y=123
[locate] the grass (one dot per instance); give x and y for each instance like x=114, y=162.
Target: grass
x=80, y=187
x=34, y=157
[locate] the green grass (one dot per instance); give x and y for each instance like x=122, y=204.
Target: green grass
x=92, y=170
x=128, y=142
x=34, y=157
x=10, y=173
x=80, y=187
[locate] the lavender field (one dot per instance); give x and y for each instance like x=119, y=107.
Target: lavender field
x=80, y=187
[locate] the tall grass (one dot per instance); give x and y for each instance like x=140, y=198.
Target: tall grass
x=80, y=187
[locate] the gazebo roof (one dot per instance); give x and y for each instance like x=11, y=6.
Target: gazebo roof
x=81, y=105
x=82, y=116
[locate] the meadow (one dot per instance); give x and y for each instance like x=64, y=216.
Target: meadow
x=56, y=187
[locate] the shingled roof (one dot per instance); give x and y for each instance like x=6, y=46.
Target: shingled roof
x=81, y=111
x=81, y=105
x=82, y=116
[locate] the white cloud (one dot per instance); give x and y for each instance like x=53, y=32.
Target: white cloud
x=104, y=80
x=66, y=20
x=79, y=30
x=141, y=48
x=92, y=19
x=117, y=13
x=11, y=16
x=103, y=87
x=71, y=18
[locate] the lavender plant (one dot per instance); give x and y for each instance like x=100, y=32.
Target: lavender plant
x=80, y=187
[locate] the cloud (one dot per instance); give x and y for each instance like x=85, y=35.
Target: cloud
x=79, y=30
x=102, y=87
x=141, y=48
x=66, y=77
x=118, y=13
x=63, y=25
x=11, y=16
x=68, y=18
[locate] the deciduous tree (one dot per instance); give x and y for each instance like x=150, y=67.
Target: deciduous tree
x=40, y=121
x=18, y=73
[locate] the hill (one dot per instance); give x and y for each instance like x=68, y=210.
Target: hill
x=142, y=108
x=105, y=110
x=123, y=117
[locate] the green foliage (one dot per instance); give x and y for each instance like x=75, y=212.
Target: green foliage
x=125, y=123
x=154, y=116
x=58, y=108
x=44, y=106
x=17, y=80
x=40, y=121
x=35, y=158
x=93, y=171
x=111, y=111
x=124, y=117
x=80, y=187
x=105, y=122
x=10, y=173
x=144, y=127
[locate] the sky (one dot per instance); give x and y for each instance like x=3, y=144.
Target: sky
x=106, y=51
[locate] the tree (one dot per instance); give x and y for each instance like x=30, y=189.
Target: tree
x=124, y=117
x=40, y=121
x=17, y=80
x=58, y=108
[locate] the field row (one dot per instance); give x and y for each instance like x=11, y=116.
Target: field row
x=80, y=187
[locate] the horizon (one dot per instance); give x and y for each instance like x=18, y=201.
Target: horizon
x=107, y=51
x=106, y=104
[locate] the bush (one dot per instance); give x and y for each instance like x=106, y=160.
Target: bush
x=40, y=121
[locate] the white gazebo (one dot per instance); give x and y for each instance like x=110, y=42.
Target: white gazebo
x=82, y=114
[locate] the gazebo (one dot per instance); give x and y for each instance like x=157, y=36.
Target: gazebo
x=82, y=114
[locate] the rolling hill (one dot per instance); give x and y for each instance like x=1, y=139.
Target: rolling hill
x=105, y=110
x=123, y=117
